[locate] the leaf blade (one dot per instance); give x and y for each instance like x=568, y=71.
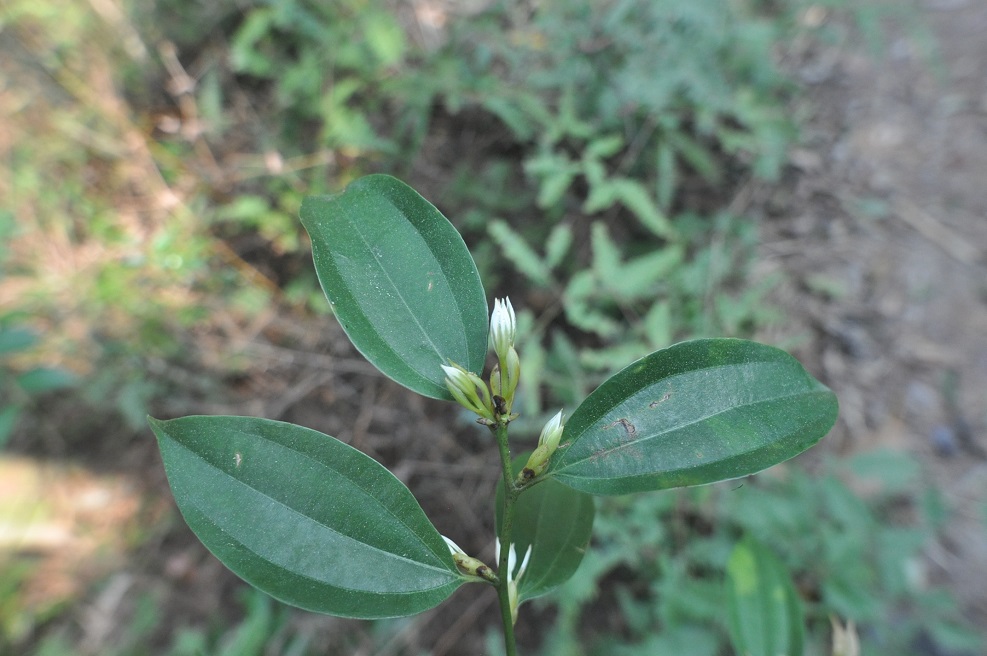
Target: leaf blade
x=304, y=517
x=400, y=279
x=764, y=611
x=694, y=413
x=557, y=522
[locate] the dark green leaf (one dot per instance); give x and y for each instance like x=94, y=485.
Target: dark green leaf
x=557, y=523
x=694, y=413
x=766, y=617
x=45, y=379
x=521, y=255
x=16, y=339
x=304, y=517
x=400, y=280
x=557, y=245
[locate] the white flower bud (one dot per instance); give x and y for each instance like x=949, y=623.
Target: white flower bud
x=551, y=434
x=503, y=327
x=548, y=442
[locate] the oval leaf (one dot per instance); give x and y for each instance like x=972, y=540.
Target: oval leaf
x=694, y=413
x=766, y=617
x=400, y=280
x=304, y=517
x=557, y=522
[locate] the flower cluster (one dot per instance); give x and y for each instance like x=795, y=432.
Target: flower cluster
x=506, y=373
x=493, y=404
x=470, y=391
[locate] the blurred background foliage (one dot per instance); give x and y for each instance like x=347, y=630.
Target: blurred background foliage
x=597, y=156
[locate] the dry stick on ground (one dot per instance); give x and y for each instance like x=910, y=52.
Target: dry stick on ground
x=935, y=231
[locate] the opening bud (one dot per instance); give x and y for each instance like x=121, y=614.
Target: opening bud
x=469, y=565
x=513, y=576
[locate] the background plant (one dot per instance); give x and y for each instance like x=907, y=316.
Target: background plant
x=845, y=559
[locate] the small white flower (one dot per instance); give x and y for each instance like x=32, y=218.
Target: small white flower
x=514, y=576
x=503, y=327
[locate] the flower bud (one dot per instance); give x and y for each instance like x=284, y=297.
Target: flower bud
x=551, y=434
x=510, y=375
x=495, y=381
x=469, y=390
x=548, y=442
x=503, y=327
x=468, y=564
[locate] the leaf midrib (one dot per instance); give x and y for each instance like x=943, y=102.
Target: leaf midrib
x=369, y=248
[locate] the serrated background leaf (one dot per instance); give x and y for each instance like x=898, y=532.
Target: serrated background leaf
x=694, y=413
x=304, y=517
x=400, y=280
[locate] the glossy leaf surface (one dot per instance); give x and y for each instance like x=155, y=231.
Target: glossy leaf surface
x=304, y=517
x=694, y=413
x=557, y=522
x=400, y=280
x=765, y=613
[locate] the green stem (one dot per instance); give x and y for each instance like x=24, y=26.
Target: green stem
x=506, y=528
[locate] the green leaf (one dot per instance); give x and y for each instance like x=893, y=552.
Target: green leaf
x=695, y=154
x=766, y=617
x=581, y=311
x=636, y=198
x=16, y=339
x=521, y=255
x=304, y=517
x=557, y=245
x=8, y=421
x=400, y=280
x=658, y=326
x=45, y=379
x=694, y=413
x=604, y=146
x=650, y=269
x=606, y=255
x=557, y=522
